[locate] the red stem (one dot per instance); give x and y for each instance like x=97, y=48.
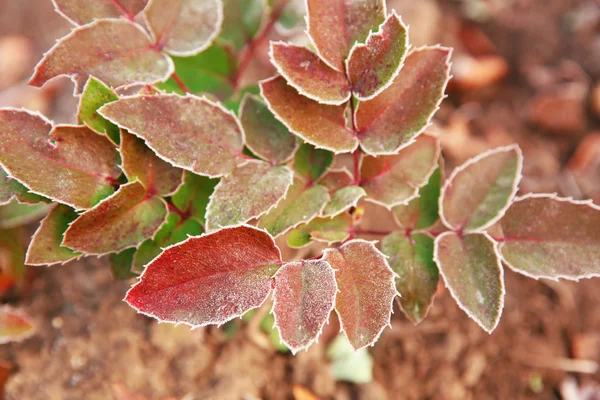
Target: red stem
x=180, y=83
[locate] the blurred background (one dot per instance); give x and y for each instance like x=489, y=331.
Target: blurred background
x=525, y=71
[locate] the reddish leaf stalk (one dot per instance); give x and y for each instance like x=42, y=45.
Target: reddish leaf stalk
x=124, y=11
x=180, y=83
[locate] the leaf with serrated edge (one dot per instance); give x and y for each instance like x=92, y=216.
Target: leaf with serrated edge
x=193, y=196
x=546, y=236
x=301, y=204
x=334, y=26
x=184, y=27
x=367, y=290
x=265, y=135
x=478, y=192
x=138, y=162
x=303, y=298
x=373, y=66
x=95, y=95
x=189, y=132
x=252, y=190
x=13, y=213
x=393, y=180
x=411, y=257
x=471, y=268
x=400, y=113
x=309, y=75
x=232, y=276
x=344, y=194
x=116, y=51
x=321, y=125
x=327, y=230
x=83, y=12
x=121, y=221
x=311, y=163
x=72, y=165
x=45, y=247
x=15, y=325
x=423, y=211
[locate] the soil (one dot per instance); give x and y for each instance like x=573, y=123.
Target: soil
x=525, y=72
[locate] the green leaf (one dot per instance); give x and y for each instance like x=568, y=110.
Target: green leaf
x=311, y=162
x=242, y=20
x=10, y=188
x=121, y=264
x=15, y=214
x=83, y=12
x=423, y=211
x=344, y=194
x=193, y=196
x=95, y=95
x=349, y=365
x=411, y=258
x=328, y=230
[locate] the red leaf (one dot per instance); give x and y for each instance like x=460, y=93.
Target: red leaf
x=304, y=297
x=202, y=136
x=209, y=279
x=72, y=164
x=323, y=126
x=309, y=75
x=81, y=12
x=117, y=52
x=367, y=290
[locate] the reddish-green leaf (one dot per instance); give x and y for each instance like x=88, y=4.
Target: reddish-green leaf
x=45, y=247
x=394, y=180
x=95, y=95
x=367, y=290
x=139, y=162
x=10, y=188
x=118, y=52
x=310, y=75
x=303, y=298
x=550, y=237
x=411, y=257
x=321, y=125
x=344, y=194
x=15, y=214
x=311, y=162
x=121, y=221
x=423, y=211
x=471, y=268
x=334, y=26
x=72, y=164
x=184, y=27
x=478, y=192
x=373, y=66
x=252, y=190
x=189, y=132
x=301, y=204
x=193, y=196
x=15, y=326
x=81, y=12
x=401, y=112
x=209, y=279
x=328, y=230
x=265, y=135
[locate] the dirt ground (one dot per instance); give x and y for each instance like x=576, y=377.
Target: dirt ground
x=526, y=71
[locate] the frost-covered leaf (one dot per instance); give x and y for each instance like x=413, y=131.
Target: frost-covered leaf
x=139, y=162
x=95, y=95
x=15, y=214
x=303, y=298
x=321, y=125
x=311, y=162
x=184, y=27
x=334, y=26
x=249, y=192
x=401, y=112
x=193, y=196
x=328, y=230
x=81, y=12
x=423, y=211
x=478, y=192
x=242, y=21
x=265, y=135
x=550, y=237
x=175, y=229
x=349, y=365
x=411, y=258
x=117, y=52
x=15, y=325
x=45, y=247
x=71, y=164
x=302, y=203
x=367, y=289
x=396, y=179
x=471, y=268
x=309, y=75
x=121, y=264
x=344, y=194
x=123, y=220
x=189, y=132
x=232, y=276
x=10, y=188
x=372, y=66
